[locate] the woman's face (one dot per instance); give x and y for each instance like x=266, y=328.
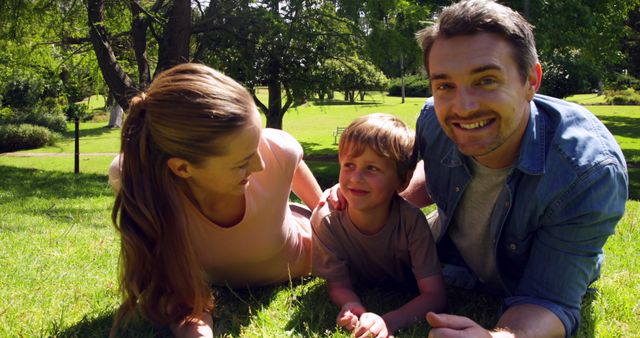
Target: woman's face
x=227, y=175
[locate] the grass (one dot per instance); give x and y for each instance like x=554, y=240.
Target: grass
x=58, y=250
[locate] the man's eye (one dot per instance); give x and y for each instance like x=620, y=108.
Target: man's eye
x=488, y=81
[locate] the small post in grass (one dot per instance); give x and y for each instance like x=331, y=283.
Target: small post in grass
x=76, y=162
x=75, y=112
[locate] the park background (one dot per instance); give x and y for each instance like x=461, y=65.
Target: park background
x=312, y=66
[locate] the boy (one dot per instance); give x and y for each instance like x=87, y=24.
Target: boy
x=379, y=239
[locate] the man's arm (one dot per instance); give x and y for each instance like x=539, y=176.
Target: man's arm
x=522, y=321
x=416, y=191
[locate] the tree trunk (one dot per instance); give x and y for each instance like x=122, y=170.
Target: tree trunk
x=139, y=36
x=174, y=48
x=274, y=113
x=119, y=82
x=115, y=116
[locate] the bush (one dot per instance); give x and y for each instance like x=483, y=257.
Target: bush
x=414, y=86
x=620, y=82
x=50, y=118
x=626, y=97
x=23, y=89
x=23, y=136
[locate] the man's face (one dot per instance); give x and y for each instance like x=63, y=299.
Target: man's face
x=481, y=101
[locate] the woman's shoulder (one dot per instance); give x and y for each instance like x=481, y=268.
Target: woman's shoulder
x=281, y=143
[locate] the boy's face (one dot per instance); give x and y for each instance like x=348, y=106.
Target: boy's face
x=368, y=180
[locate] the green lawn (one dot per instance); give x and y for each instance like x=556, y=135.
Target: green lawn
x=58, y=250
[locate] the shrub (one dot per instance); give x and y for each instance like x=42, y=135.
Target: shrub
x=620, y=82
x=414, y=86
x=23, y=89
x=623, y=97
x=49, y=117
x=23, y=136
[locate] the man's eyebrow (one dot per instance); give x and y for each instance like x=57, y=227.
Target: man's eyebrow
x=484, y=68
x=480, y=69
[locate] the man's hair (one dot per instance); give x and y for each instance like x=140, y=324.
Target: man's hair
x=386, y=135
x=469, y=17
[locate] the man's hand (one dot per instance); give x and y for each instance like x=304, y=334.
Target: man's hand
x=371, y=326
x=334, y=197
x=450, y=326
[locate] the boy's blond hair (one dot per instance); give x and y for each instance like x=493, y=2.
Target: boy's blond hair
x=386, y=135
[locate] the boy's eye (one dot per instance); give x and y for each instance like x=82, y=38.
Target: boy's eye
x=443, y=86
x=243, y=165
x=372, y=168
x=348, y=165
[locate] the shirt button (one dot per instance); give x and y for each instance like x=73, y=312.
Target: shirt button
x=457, y=189
x=513, y=246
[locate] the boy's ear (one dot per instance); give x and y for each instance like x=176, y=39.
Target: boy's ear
x=179, y=167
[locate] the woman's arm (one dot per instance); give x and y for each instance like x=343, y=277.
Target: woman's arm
x=305, y=186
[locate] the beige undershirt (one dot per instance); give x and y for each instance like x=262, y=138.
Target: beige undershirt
x=470, y=230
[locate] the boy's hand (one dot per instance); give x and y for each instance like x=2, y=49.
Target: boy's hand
x=348, y=316
x=371, y=326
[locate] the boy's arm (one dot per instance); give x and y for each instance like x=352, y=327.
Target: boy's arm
x=351, y=308
x=431, y=298
x=305, y=186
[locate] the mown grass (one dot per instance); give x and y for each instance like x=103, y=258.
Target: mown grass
x=58, y=250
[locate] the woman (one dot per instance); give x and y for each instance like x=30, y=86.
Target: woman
x=202, y=199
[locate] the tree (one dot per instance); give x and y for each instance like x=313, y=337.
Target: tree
x=583, y=34
x=278, y=44
x=353, y=75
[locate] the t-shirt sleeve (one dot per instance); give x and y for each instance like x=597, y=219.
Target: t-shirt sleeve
x=285, y=148
x=422, y=247
x=114, y=174
x=327, y=258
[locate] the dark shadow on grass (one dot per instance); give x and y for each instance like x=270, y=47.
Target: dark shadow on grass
x=25, y=182
x=87, y=132
x=99, y=327
x=318, y=102
x=587, y=322
x=232, y=312
x=315, y=313
x=621, y=125
x=234, y=307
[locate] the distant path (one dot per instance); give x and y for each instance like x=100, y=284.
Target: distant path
x=19, y=154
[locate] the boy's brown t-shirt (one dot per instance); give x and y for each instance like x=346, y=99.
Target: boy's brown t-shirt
x=401, y=252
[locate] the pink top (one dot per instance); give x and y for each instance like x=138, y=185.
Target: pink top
x=270, y=244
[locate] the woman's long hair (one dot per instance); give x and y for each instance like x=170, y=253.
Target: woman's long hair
x=185, y=111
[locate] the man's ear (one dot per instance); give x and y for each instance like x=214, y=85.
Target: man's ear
x=405, y=184
x=534, y=80
x=180, y=167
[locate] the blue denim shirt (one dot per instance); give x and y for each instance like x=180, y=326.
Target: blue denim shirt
x=561, y=201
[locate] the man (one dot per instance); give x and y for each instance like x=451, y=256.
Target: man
x=528, y=187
